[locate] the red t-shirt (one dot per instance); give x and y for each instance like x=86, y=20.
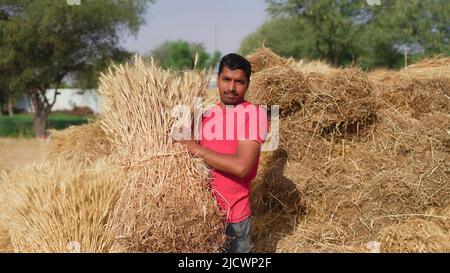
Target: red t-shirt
x=222, y=128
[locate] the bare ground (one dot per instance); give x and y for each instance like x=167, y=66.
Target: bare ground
x=18, y=151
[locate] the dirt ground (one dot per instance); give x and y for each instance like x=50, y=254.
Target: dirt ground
x=16, y=151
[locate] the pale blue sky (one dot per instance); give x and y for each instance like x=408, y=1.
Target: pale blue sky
x=218, y=24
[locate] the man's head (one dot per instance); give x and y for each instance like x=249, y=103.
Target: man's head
x=233, y=78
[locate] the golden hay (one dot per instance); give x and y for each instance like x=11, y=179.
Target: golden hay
x=352, y=189
x=59, y=206
x=308, y=67
x=419, y=89
x=340, y=102
x=84, y=143
x=279, y=85
x=415, y=236
x=165, y=204
x=417, y=97
x=350, y=162
x=5, y=241
x=263, y=58
x=435, y=61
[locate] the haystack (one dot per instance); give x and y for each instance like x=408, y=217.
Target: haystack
x=59, y=206
x=279, y=85
x=351, y=189
x=165, y=203
x=352, y=166
x=419, y=89
x=340, y=102
x=263, y=58
x=85, y=143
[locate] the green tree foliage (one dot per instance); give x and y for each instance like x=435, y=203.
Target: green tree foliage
x=179, y=55
x=345, y=31
x=42, y=42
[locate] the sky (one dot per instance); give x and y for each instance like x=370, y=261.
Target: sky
x=217, y=24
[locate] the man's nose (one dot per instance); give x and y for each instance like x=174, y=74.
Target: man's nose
x=232, y=85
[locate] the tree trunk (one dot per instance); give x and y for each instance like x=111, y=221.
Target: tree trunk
x=41, y=112
x=40, y=124
x=10, y=106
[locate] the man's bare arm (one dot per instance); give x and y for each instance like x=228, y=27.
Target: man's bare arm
x=239, y=164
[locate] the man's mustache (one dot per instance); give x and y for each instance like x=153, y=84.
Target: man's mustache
x=230, y=92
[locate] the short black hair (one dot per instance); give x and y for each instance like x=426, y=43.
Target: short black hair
x=235, y=61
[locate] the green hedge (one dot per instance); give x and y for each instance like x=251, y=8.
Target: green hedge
x=21, y=125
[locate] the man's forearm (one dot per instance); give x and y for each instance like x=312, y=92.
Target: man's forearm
x=228, y=163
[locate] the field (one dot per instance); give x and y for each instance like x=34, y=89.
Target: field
x=15, y=152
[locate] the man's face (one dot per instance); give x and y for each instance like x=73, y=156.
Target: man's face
x=232, y=86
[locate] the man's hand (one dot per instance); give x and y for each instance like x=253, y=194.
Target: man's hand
x=184, y=136
x=239, y=164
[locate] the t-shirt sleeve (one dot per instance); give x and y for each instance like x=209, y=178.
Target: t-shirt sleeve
x=256, y=125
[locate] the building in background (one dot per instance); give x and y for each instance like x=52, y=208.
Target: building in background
x=67, y=100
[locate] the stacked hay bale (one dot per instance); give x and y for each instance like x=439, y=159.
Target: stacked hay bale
x=165, y=204
x=355, y=166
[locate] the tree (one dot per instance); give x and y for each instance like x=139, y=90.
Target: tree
x=344, y=31
x=45, y=41
x=333, y=24
x=296, y=39
x=179, y=55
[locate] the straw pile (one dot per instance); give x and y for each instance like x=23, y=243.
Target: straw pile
x=264, y=58
x=165, y=203
x=419, y=89
x=336, y=188
x=86, y=143
x=415, y=236
x=279, y=85
x=332, y=103
x=59, y=206
x=5, y=240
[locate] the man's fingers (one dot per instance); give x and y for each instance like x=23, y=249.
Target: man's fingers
x=181, y=133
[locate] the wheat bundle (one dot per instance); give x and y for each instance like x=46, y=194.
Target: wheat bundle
x=165, y=204
x=84, y=143
x=59, y=206
x=5, y=240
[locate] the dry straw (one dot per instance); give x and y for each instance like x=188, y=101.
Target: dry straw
x=264, y=58
x=350, y=165
x=165, y=203
x=86, y=143
x=59, y=206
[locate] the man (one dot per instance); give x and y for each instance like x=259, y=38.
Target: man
x=230, y=146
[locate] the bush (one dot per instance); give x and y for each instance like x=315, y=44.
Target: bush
x=21, y=125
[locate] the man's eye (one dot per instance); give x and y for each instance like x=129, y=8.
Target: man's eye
x=226, y=79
